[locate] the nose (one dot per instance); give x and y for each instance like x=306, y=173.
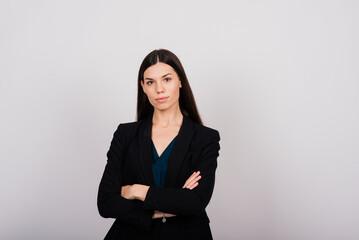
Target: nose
x=160, y=88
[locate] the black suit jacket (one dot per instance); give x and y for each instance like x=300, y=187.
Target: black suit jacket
x=130, y=162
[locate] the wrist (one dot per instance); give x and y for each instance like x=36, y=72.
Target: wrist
x=139, y=191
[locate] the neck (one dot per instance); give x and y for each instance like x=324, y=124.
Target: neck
x=168, y=117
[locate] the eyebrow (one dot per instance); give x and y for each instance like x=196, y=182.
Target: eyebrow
x=162, y=76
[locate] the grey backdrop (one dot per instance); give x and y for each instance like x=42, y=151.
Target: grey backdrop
x=278, y=79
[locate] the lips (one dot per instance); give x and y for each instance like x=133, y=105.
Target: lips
x=162, y=99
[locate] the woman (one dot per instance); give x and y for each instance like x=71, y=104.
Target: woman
x=160, y=171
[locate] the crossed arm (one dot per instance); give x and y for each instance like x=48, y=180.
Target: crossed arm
x=139, y=192
x=137, y=204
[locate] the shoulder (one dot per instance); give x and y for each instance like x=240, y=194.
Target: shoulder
x=126, y=130
x=205, y=140
x=128, y=126
x=205, y=133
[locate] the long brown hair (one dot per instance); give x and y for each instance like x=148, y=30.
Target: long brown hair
x=186, y=99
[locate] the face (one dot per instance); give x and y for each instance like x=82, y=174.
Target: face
x=162, y=86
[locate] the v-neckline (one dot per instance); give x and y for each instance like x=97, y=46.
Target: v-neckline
x=154, y=147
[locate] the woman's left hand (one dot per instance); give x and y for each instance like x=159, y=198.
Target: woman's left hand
x=135, y=191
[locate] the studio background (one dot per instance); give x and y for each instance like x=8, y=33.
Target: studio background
x=278, y=79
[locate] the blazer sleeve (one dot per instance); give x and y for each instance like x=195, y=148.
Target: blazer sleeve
x=184, y=201
x=110, y=203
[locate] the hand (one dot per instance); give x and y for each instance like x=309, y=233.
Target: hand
x=126, y=192
x=159, y=214
x=192, y=181
x=135, y=191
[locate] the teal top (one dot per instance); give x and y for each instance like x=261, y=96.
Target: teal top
x=159, y=164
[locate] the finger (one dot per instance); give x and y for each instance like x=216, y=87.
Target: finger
x=124, y=191
x=194, y=175
x=185, y=184
x=193, y=181
x=157, y=214
x=193, y=186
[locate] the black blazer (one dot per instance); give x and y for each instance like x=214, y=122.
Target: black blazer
x=130, y=162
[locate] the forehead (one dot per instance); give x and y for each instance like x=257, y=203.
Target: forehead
x=158, y=70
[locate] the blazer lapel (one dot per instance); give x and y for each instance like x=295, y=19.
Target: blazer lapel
x=177, y=155
x=145, y=150
x=179, y=151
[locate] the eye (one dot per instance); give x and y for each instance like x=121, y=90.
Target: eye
x=149, y=82
x=167, y=79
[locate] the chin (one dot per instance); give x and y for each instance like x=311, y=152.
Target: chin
x=163, y=107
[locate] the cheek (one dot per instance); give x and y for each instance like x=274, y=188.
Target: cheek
x=146, y=91
x=175, y=88
x=177, y=91
x=150, y=95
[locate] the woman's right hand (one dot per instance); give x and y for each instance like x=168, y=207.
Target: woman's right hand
x=192, y=181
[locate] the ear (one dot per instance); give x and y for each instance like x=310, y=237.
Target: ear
x=142, y=86
x=180, y=84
